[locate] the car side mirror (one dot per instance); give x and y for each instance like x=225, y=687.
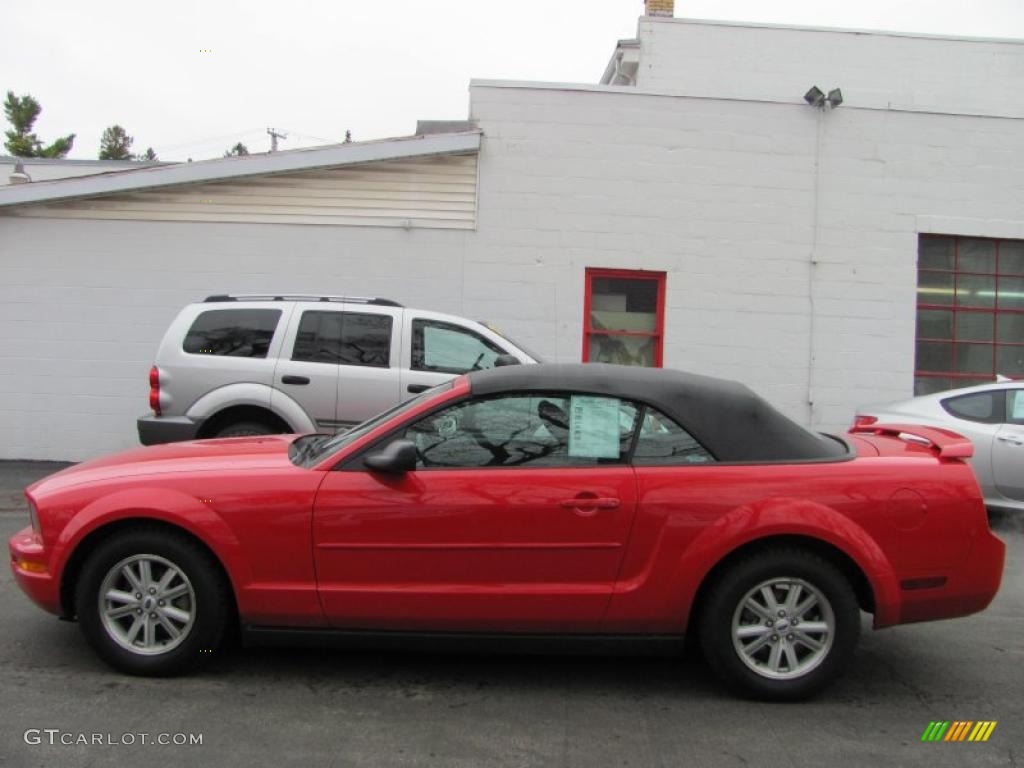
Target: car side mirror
x=501, y=360
x=397, y=457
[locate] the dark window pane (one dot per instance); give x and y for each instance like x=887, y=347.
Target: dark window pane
x=663, y=442
x=973, y=358
x=927, y=385
x=1010, y=360
x=343, y=338
x=319, y=338
x=622, y=350
x=935, y=288
x=526, y=430
x=934, y=356
x=974, y=326
x=448, y=348
x=1010, y=327
x=977, y=255
x=979, y=407
x=366, y=340
x=1011, y=293
x=1011, y=257
x=934, y=324
x=623, y=304
x=936, y=253
x=975, y=291
x=232, y=332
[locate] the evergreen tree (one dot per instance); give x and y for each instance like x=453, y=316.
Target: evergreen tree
x=22, y=113
x=237, y=151
x=116, y=144
x=148, y=156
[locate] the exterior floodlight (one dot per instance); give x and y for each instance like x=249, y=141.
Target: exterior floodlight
x=834, y=98
x=815, y=96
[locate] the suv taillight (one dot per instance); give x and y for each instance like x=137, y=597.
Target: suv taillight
x=154, y=390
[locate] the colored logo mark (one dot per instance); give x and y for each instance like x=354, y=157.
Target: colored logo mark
x=958, y=730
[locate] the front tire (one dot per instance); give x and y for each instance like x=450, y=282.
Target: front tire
x=152, y=602
x=780, y=625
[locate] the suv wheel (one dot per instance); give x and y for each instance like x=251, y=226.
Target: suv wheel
x=245, y=429
x=780, y=625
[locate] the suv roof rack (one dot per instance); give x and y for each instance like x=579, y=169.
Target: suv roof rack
x=299, y=297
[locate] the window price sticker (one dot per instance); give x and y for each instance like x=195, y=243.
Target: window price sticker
x=594, y=427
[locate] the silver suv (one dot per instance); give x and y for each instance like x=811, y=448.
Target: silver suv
x=259, y=364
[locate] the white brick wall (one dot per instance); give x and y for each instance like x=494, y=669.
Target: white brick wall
x=897, y=71
x=720, y=194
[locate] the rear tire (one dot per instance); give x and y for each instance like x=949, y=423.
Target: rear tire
x=152, y=602
x=780, y=625
x=246, y=429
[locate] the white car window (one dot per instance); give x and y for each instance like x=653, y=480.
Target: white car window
x=1015, y=406
x=981, y=406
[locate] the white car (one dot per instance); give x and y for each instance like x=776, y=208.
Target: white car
x=991, y=415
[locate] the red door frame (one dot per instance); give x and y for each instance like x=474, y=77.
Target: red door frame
x=627, y=274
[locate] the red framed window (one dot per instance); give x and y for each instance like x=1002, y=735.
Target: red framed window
x=624, y=317
x=970, y=311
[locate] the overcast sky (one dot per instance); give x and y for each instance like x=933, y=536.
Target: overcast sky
x=317, y=68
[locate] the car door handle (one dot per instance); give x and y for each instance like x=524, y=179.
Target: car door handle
x=1011, y=440
x=300, y=380
x=590, y=502
x=415, y=389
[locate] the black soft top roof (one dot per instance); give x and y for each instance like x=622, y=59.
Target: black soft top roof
x=726, y=417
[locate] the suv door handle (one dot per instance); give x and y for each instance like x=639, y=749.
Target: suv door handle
x=299, y=380
x=415, y=389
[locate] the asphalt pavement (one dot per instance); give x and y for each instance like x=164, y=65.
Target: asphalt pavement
x=282, y=707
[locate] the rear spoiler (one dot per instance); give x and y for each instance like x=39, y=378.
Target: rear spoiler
x=945, y=443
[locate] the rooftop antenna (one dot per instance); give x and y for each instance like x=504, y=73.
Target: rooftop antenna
x=274, y=136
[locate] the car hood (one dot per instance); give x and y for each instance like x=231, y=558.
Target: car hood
x=236, y=453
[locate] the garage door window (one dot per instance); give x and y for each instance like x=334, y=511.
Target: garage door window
x=624, y=317
x=970, y=311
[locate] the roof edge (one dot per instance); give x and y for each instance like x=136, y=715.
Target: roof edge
x=834, y=30
x=223, y=169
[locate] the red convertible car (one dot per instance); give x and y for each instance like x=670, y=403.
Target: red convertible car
x=572, y=502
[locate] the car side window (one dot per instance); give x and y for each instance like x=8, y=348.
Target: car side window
x=343, y=338
x=449, y=348
x=232, y=332
x=662, y=442
x=1015, y=406
x=983, y=407
x=534, y=430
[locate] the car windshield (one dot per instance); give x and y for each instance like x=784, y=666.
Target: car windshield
x=309, y=450
x=537, y=358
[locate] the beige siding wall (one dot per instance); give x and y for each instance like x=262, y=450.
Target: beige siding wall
x=436, y=192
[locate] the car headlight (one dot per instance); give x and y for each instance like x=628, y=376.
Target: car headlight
x=33, y=517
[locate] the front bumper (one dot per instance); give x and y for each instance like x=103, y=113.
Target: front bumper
x=154, y=430
x=30, y=566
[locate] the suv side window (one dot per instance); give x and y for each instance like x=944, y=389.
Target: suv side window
x=232, y=332
x=662, y=442
x=447, y=348
x=343, y=338
x=984, y=407
x=534, y=430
